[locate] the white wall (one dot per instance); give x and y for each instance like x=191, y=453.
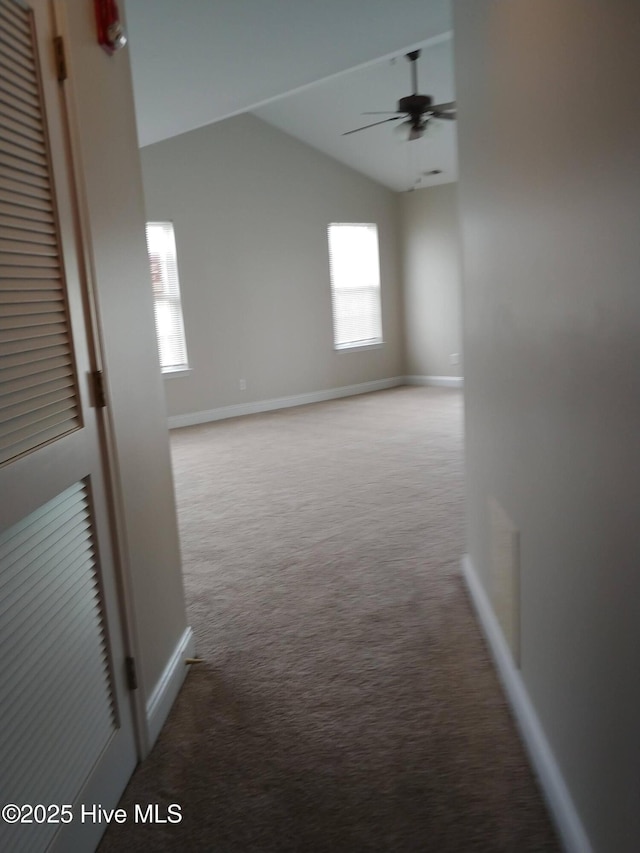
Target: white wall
x=115, y=218
x=549, y=136
x=432, y=302
x=250, y=206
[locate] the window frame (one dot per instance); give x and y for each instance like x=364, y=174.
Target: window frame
x=356, y=344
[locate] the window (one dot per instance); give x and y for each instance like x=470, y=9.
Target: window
x=172, y=346
x=355, y=284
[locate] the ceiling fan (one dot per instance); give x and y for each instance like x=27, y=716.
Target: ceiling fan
x=416, y=110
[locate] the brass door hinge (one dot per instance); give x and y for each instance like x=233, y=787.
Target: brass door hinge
x=99, y=393
x=61, y=59
x=132, y=676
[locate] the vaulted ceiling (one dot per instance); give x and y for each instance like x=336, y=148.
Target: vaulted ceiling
x=310, y=69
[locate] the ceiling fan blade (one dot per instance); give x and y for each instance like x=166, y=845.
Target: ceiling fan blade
x=447, y=111
x=375, y=123
x=384, y=113
x=445, y=108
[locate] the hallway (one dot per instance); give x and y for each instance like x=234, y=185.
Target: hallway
x=346, y=701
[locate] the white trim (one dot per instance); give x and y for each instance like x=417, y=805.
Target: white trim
x=282, y=402
x=554, y=788
x=168, y=686
x=173, y=373
x=436, y=381
x=358, y=347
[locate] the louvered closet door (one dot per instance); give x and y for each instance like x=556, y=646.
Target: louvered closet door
x=66, y=734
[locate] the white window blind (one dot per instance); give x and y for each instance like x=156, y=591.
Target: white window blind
x=355, y=284
x=172, y=344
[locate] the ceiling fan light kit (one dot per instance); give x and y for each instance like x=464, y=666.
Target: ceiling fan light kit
x=416, y=110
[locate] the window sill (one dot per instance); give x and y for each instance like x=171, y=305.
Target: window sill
x=358, y=347
x=174, y=374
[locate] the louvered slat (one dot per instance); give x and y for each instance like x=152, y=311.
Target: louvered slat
x=18, y=152
x=19, y=112
x=51, y=544
x=19, y=194
x=24, y=67
x=66, y=646
x=15, y=43
x=23, y=129
x=50, y=400
x=36, y=437
x=31, y=308
x=18, y=320
x=18, y=164
x=19, y=198
x=12, y=68
x=24, y=185
x=18, y=40
x=22, y=340
x=10, y=168
x=12, y=263
x=15, y=114
x=16, y=329
x=44, y=605
x=32, y=231
x=55, y=530
x=43, y=237
x=55, y=631
x=21, y=216
x=34, y=423
x=8, y=15
x=42, y=359
x=38, y=268
x=15, y=40
x=24, y=70
x=57, y=671
x=70, y=656
x=17, y=247
x=35, y=389
x=27, y=376
x=28, y=288
x=72, y=660
x=19, y=376
x=19, y=583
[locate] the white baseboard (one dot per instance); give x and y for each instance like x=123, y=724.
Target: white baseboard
x=554, y=788
x=166, y=690
x=436, y=381
x=282, y=402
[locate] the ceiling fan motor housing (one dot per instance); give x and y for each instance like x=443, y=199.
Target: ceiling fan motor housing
x=414, y=105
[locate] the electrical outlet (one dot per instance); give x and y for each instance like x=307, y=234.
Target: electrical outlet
x=243, y=384
x=454, y=358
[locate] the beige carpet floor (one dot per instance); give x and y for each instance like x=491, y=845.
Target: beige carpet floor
x=347, y=701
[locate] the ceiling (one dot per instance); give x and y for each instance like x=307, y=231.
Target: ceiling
x=310, y=69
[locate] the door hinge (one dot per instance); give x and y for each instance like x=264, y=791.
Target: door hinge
x=61, y=59
x=132, y=676
x=99, y=393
